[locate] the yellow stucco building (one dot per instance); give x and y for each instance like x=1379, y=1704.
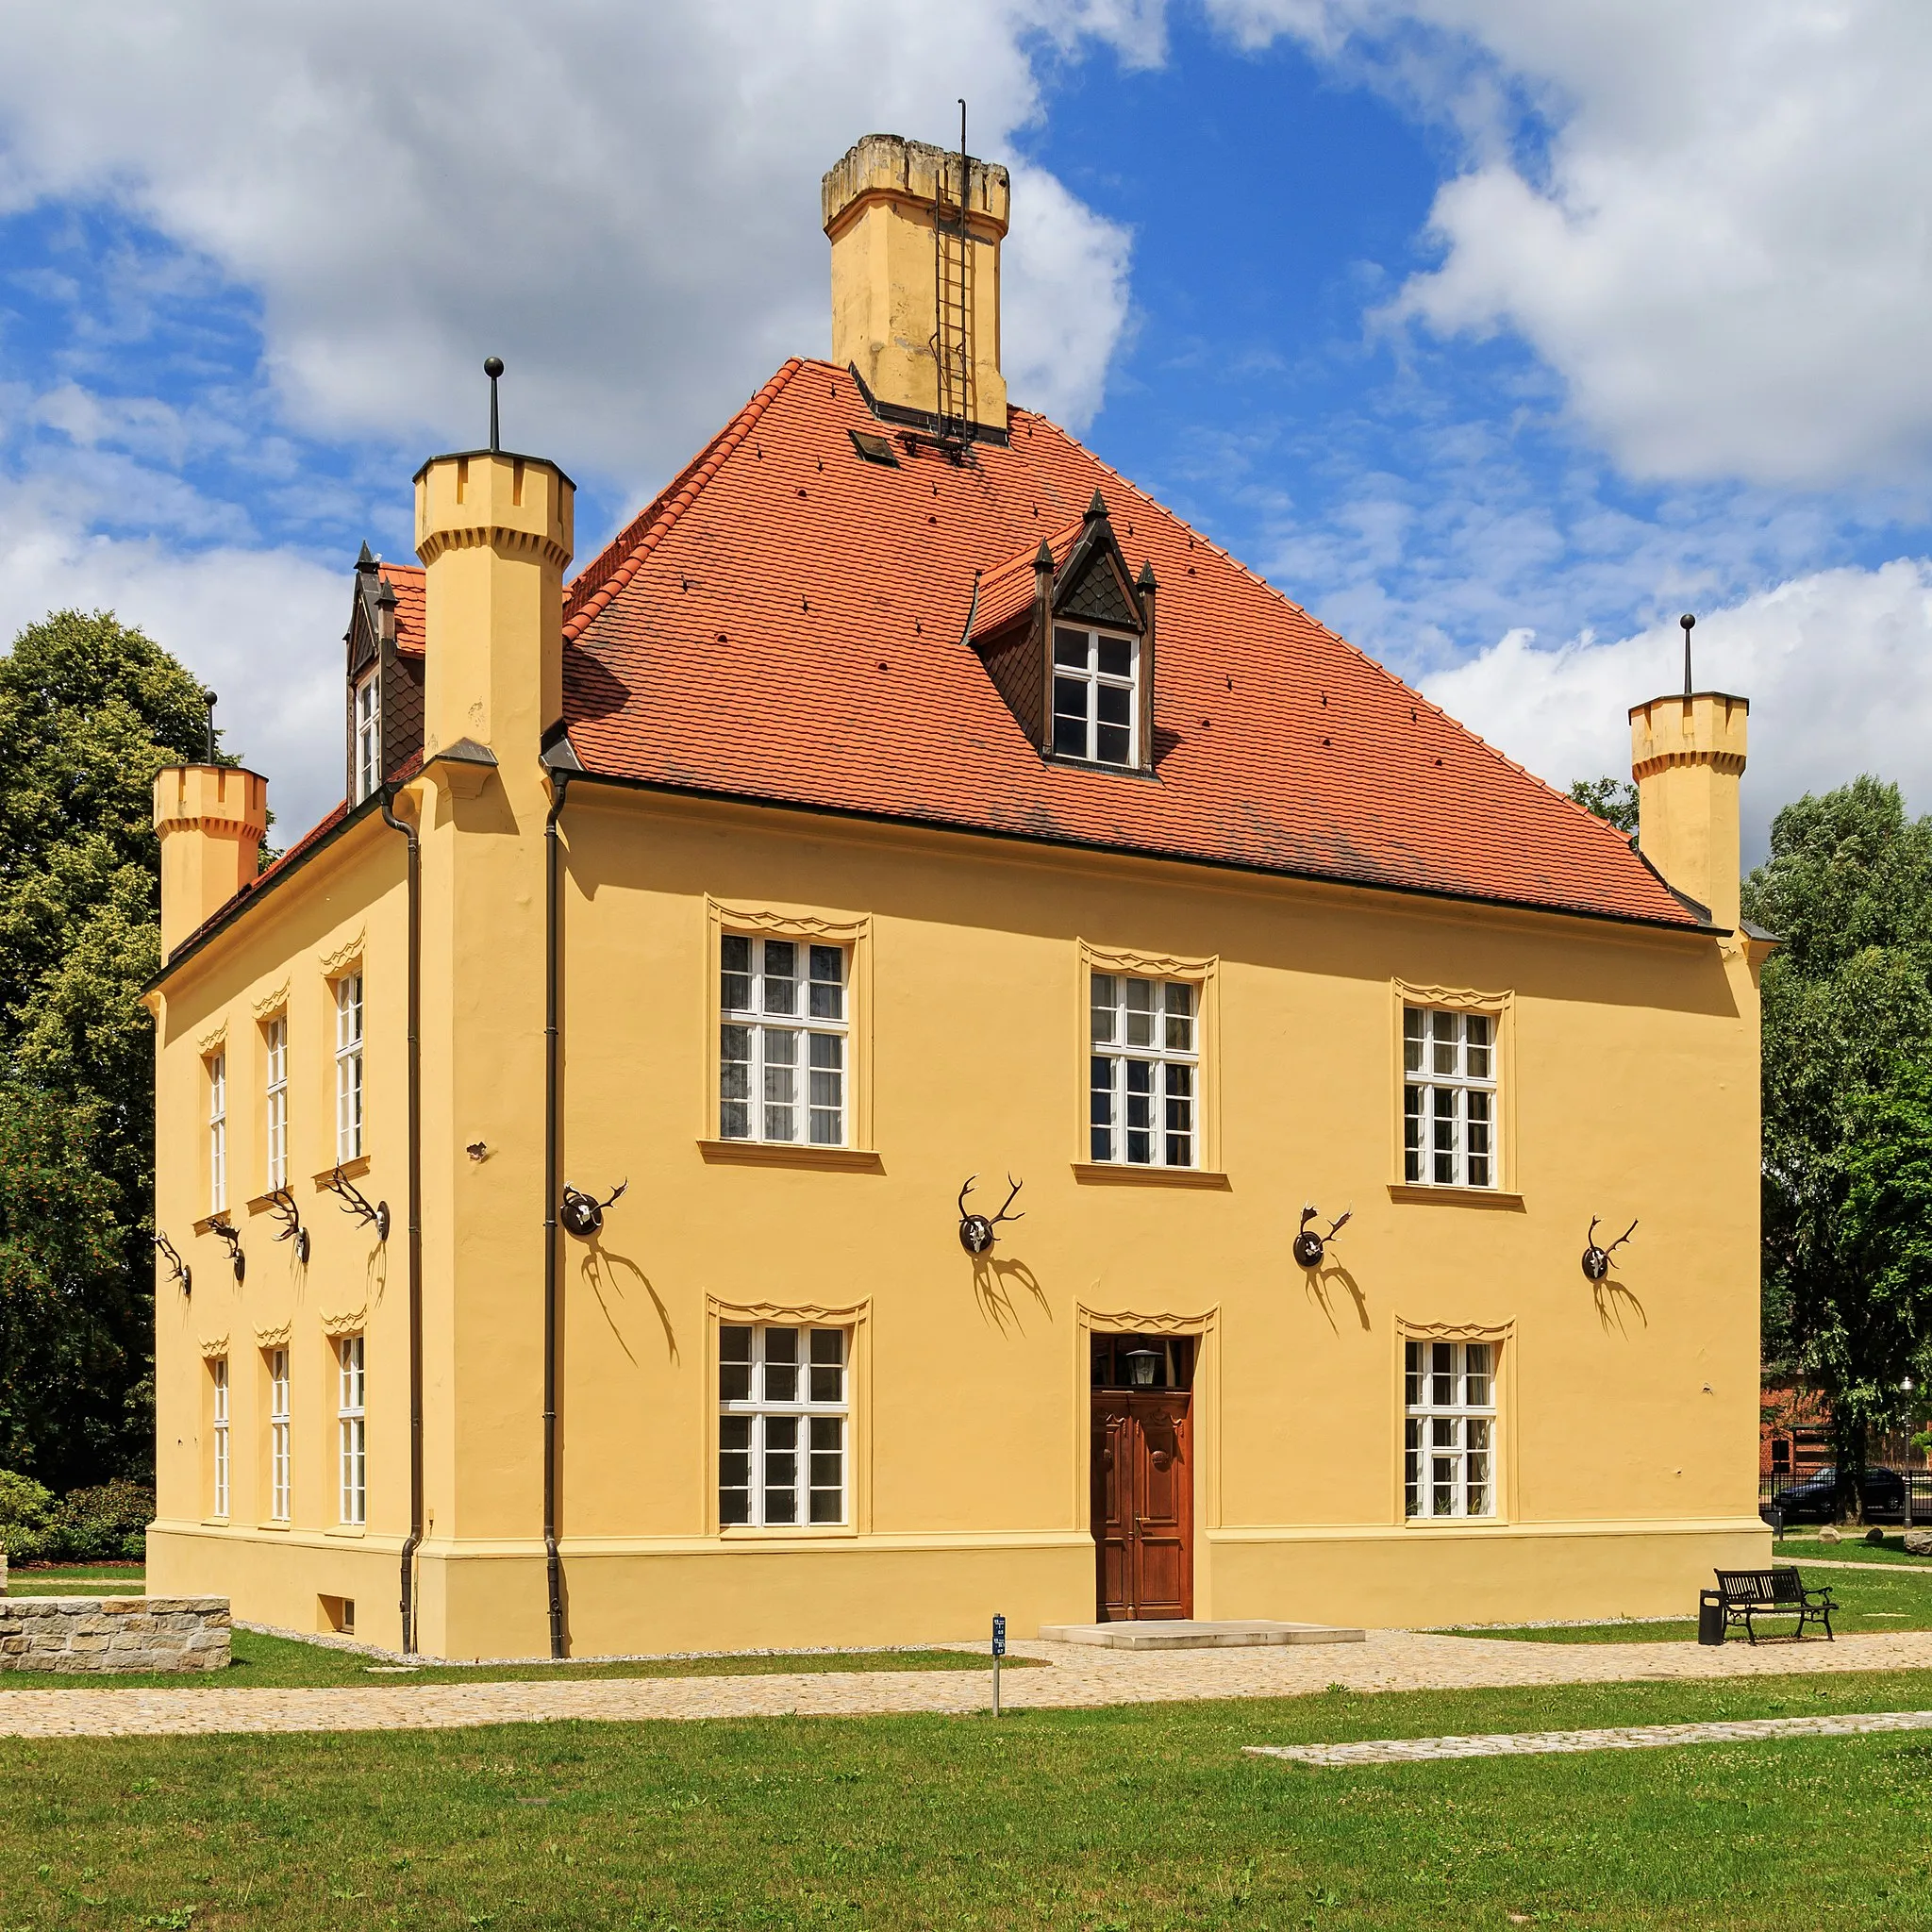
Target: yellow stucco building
x=905, y=800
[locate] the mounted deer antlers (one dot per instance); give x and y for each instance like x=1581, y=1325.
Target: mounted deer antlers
x=583, y=1214
x=1596, y=1261
x=283, y=1203
x=354, y=1203
x=977, y=1230
x=181, y=1270
x=233, y=1238
x=1310, y=1248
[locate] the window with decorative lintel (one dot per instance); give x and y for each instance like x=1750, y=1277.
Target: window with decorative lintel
x=1454, y=1050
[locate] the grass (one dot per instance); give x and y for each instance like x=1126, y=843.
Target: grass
x=1866, y=1601
x=1137, y=1819
x=78, y=1579
x=286, y=1663
x=1798, y=1548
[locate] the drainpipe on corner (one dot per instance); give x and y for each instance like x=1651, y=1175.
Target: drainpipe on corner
x=553, y=1177
x=415, y=1081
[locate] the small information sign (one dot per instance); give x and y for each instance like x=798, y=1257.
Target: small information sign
x=999, y=1636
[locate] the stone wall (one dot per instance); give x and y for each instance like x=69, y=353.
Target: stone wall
x=114, y=1633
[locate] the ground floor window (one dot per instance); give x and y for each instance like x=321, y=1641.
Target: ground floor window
x=278, y=1434
x=1449, y=1428
x=351, y=1424
x=782, y=1424
x=218, y=1380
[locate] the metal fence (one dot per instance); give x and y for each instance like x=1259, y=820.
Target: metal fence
x=1807, y=1501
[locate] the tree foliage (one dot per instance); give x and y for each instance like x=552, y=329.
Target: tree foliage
x=1614, y=799
x=90, y=712
x=1848, y=1105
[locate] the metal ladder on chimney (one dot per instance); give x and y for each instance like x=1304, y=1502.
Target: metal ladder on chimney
x=952, y=275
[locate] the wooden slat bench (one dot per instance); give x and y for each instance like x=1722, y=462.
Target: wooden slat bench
x=1778, y=1591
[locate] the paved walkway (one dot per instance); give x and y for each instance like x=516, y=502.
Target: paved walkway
x=1081, y=1675
x=1632, y=1738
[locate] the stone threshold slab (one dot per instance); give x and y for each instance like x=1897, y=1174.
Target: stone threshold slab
x=1631, y=1737
x=1172, y=1633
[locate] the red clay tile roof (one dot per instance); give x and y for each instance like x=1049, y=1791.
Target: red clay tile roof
x=407, y=579
x=785, y=624
x=1007, y=591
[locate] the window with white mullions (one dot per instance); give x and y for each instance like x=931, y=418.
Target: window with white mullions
x=274, y=1040
x=218, y=1378
x=1144, y=1071
x=278, y=1434
x=1449, y=1428
x=781, y=1425
x=1096, y=697
x=218, y=1133
x=349, y=1066
x=782, y=1049
x=368, y=736
x=352, y=1439
x=1448, y=1098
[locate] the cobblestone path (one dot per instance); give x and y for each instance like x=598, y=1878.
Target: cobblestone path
x=1081, y=1675
x=1632, y=1738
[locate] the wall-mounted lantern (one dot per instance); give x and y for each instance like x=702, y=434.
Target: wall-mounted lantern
x=283, y=1203
x=1141, y=1363
x=582, y=1214
x=977, y=1230
x=179, y=1270
x=1596, y=1261
x=1309, y=1247
x=354, y=1203
x=233, y=1238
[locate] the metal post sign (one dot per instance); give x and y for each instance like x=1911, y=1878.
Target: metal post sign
x=999, y=1636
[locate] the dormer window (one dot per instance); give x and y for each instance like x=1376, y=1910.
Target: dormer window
x=1096, y=697
x=368, y=735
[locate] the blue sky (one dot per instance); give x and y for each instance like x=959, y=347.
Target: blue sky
x=1495, y=334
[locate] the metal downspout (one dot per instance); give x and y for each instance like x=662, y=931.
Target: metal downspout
x=553, y=936
x=415, y=1081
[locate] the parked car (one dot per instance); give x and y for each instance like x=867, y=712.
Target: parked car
x=1815, y=1499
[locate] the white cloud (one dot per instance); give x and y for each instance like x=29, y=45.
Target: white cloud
x=258, y=626
x=621, y=200
x=1834, y=664
x=1724, y=248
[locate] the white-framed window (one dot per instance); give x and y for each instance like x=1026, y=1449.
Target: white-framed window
x=783, y=1054
x=218, y=1384
x=1144, y=1071
x=218, y=1131
x=352, y=1442
x=278, y=1434
x=782, y=1424
x=349, y=1066
x=1096, y=697
x=1448, y=1098
x=1449, y=1428
x=275, y=1040
x=368, y=735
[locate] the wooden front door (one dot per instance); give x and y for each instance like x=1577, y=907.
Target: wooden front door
x=1143, y=1503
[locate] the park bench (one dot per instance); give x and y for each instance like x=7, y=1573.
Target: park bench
x=1778, y=1591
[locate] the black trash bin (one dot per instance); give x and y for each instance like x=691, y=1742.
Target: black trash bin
x=1710, y=1616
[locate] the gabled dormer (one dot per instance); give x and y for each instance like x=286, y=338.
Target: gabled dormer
x=384, y=714
x=1067, y=636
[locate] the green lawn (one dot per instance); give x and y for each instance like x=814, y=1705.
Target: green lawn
x=1796, y=1548
x=1140, y=1819
x=1866, y=1600
x=281, y=1662
x=78, y=1579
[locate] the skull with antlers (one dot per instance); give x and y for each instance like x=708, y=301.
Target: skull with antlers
x=1310, y=1248
x=583, y=1214
x=1596, y=1261
x=977, y=1230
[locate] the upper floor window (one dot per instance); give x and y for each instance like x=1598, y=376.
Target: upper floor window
x=218, y=1132
x=368, y=735
x=1448, y=1098
x=1144, y=1071
x=349, y=1066
x=782, y=1048
x=1449, y=1428
x=781, y=1426
x=1096, y=697
x=275, y=1042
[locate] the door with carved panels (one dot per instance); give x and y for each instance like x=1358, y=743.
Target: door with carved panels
x=1143, y=1503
